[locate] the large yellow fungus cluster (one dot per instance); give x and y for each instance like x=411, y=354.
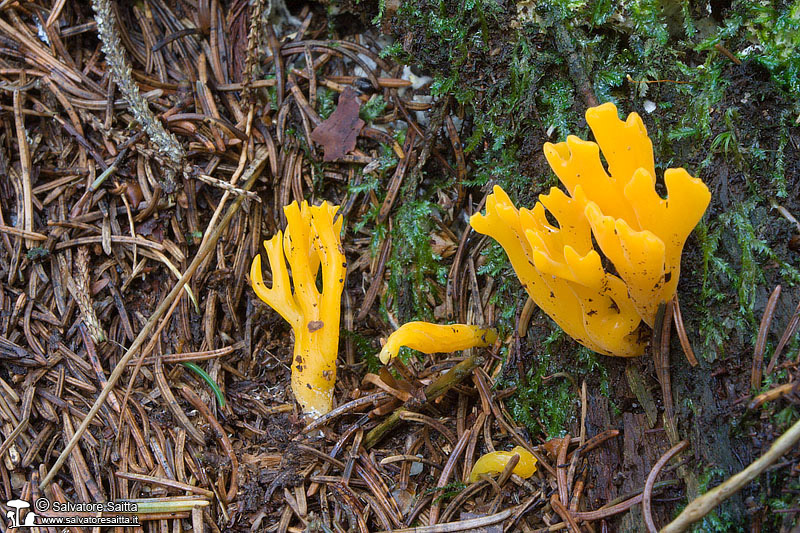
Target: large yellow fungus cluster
x=640, y=233
x=311, y=241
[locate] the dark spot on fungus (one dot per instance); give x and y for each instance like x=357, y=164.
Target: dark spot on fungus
x=315, y=325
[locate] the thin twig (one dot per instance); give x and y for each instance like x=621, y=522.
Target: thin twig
x=771, y=394
x=621, y=507
x=681, y=329
x=703, y=505
x=432, y=391
x=564, y=513
x=25, y=165
x=790, y=330
x=463, y=525
x=647, y=495
x=761, y=341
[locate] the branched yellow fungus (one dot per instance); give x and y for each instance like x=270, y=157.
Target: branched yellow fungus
x=435, y=338
x=311, y=241
x=495, y=463
x=640, y=233
x=562, y=273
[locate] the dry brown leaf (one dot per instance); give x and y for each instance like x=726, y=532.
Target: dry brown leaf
x=338, y=134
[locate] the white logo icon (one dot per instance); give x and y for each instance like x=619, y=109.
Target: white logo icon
x=14, y=514
x=21, y=514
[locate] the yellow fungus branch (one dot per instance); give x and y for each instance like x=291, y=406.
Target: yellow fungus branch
x=311, y=243
x=495, y=463
x=435, y=338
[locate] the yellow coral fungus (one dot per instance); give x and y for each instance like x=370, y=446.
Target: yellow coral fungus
x=638, y=231
x=641, y=233
x=311, y=241
x=436, y=338
x=561, y=271
x=495, y=463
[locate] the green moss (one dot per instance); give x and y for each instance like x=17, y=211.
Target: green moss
x=460, y=26
x=416, y=270
x=447, y=492
x=726, y=142
x=326, y=103
x=734, y=249
x=552, y=403
x=769, y=33
x=38, y=253
x=387, y=160
x=547, y=399
x=508, y=292
x=772, y=163
x=364, y=350
x=375, y=107
x=557, y=100
x=785, y=498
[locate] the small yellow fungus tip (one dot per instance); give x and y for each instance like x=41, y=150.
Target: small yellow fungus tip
x=495, y=463
x=311, y=242
x=436, y=338
x=636, y=230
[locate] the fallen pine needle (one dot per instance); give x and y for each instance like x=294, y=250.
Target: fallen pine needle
x=463, y=525
x=261, y=157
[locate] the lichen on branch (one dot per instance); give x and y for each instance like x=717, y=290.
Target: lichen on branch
x=165, y=142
